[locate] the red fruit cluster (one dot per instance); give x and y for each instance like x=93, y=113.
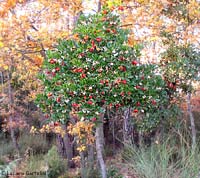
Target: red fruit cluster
x=92, y=49
x=75, y=105
x=122, y=68
x=120, y=8
x=171, y=85
x=52, y=61
x=78, y=70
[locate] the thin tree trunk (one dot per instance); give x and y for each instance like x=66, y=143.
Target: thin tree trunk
x=127, y=127
x=83, y=166
x=99, y=6
x=11, y=110
x=191, y=120
x=60, y=145
x=91, y=156
x=68, y=148
x=99, y=148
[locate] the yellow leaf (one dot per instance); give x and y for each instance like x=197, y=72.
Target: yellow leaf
x=1, y=44
x=5, y=67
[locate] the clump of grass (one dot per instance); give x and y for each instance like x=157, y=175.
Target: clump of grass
x=164, y=160
x=37, y=143
x=7, y=148
x=36, y=164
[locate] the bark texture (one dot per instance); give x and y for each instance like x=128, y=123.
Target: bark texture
x=191, y=120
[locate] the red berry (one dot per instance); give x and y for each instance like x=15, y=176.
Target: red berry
x=101, y=82
x=135, y=110
x=138, y=103
x=104, y=12
x=58, y=99
x=124, y=82
x=81, y=55
x=108, y=30
x=103, y=101
x=129, y=93
x=52, y=61
x=53, y=74
x=92, y=49
x=56, y=124
x=83, y=75
x=90, y=97
x=153, y=102
x=93, y=119
x=122, y=68
x=48, y=72
x=98, y=39
x=75, y=105
x=121, y=8
x=137, y=87
x=134, y=62
x=57, y=69
x=90, y=102
x=121, y=58
x=117, y=105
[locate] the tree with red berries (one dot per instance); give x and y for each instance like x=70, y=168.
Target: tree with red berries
x=99, y=70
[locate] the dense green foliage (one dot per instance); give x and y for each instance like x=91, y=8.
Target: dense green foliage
x=97, y=70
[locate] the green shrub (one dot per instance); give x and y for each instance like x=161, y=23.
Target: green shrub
x=56, y=166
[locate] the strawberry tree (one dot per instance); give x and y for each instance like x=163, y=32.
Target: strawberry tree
x=97, y=69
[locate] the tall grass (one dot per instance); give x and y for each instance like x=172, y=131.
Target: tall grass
x=171, y=158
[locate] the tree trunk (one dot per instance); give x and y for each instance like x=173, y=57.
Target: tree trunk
x=60, y=145
x=91, y=156
x=127, y=127
x=11, y=110
x=99, y=6
x=99, y=147
x=68, y=147
x=83, y=166
x=191, y=120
